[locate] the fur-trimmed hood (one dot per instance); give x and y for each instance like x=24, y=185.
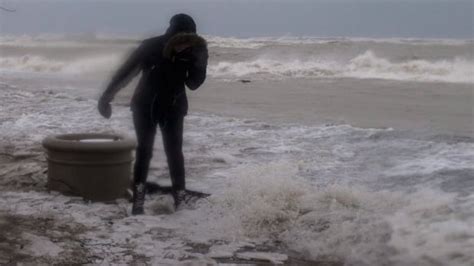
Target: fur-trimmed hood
x=188, y=39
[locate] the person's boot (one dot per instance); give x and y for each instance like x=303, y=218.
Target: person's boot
x=138, y=199
x=179, y=197
x=187, y=197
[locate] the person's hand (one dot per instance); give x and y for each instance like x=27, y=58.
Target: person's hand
x=184, y=55
x=105, y=109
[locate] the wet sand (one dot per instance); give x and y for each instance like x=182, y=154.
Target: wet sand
x=439, y=108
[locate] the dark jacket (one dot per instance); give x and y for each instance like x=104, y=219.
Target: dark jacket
x=165, y=72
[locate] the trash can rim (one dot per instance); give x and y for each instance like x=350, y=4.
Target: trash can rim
x=72, y=142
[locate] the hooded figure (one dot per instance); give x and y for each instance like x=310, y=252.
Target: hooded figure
x=167, y=63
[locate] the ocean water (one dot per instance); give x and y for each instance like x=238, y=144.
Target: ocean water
x=258, y=58
x=330, y=192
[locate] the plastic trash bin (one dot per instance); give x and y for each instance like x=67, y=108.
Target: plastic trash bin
x=94, y=166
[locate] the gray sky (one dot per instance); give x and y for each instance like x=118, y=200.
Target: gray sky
x=246, y=18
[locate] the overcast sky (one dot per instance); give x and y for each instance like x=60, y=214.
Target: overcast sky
x=246, y=18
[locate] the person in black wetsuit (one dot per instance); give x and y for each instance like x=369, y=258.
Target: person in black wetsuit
x=168, y=63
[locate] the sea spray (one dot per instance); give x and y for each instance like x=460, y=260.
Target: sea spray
x=430, y=229
x=340, y=222
x=270, y=201
x=265, y=199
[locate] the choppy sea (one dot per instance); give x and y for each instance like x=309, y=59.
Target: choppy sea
x=319, y=192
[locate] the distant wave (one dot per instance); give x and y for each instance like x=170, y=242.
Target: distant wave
x=41, y=64
x=94, y=39
x=365, y=65
x=368, y=65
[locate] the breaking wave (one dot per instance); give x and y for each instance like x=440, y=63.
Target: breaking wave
x=341, y=222
x=363, y=66
x=41, y=64
x=366, y=65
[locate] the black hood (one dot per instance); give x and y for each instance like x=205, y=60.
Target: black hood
x=181, y=23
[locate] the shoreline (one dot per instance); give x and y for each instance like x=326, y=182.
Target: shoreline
x=359, y=183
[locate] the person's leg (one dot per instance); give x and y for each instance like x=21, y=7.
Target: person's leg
x=145, y=131
x=172, y=133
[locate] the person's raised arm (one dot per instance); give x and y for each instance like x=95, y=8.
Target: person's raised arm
x=189, y=49
x=129, y=69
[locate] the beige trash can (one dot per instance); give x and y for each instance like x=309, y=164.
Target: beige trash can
x=94, y=166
